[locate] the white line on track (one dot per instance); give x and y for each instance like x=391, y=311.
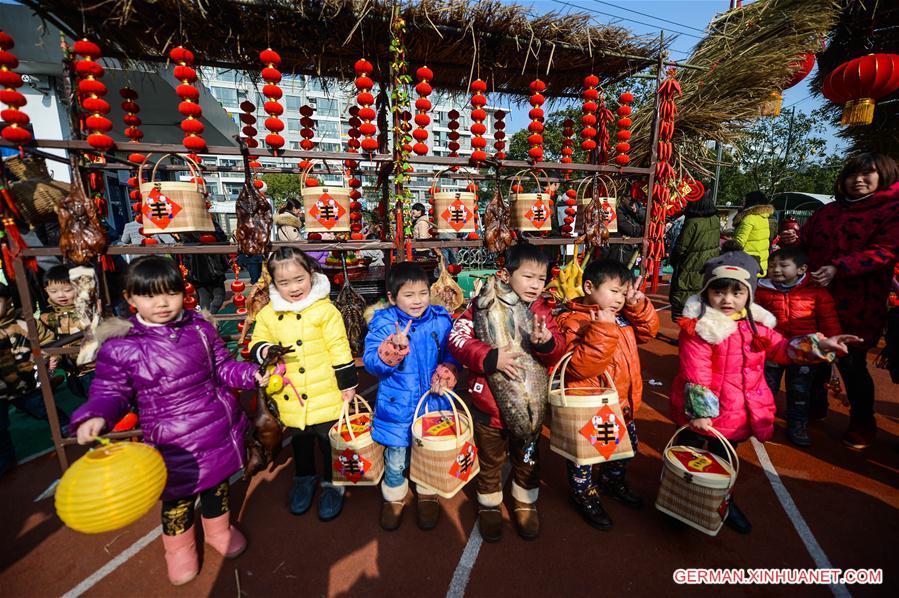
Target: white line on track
x=114, y=564
x=802, y=528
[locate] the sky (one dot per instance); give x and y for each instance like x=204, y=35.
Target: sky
x=684, y=19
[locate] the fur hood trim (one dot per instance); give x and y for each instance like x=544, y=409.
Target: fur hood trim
x=714, y=326
x=287, y=219
x=763, y=210
x=112, y=328
x=321, y=288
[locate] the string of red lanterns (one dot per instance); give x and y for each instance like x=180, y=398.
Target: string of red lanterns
x=453, y=135
x=570, y=212
x=535, y=127
x=272, y=106
x=422, y=106
x=567, y=145
x=90, y=92
x=478, y=116
x=365, y=99
x=499, y=135
x=307, y=127
x=189, y=107
x=624, y=124
x=10, y=81
x=590, y=95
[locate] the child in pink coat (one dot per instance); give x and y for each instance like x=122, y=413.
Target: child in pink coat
x=724, y=341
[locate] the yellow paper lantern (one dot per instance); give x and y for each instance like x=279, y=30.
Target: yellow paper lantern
x=110, y=487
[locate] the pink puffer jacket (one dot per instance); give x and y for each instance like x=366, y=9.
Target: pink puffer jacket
x=716, y=353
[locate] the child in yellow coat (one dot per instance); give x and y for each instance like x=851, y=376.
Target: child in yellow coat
x=320, y=373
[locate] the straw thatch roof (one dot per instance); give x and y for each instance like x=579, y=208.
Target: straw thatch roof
x=746, y=55
x=865, y=27
x=504, y=44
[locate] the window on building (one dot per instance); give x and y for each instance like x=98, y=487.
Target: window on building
x=293, y=125
x=329, y=147
x=293, y=103
x=227, y=96
x=326, y=107
x=232, y=190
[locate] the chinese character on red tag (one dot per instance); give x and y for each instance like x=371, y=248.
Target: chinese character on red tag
x=159, y=209
x=457, y=214
x=351, y=465
x=327, y=211
x=603, y=431
x=465, y=462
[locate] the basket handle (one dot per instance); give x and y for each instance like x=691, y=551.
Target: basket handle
x=562, y=366
x=732, y=458
x=611, y=187
x=452, y=399
x=192, y=166
x=437, y=175
x=517, y=178
x=305, y=172
x=345, y=414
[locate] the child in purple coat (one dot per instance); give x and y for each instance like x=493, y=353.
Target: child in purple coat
x=173, y=366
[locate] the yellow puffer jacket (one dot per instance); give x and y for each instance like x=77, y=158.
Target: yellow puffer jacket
x=753, y=232
x=321, y=364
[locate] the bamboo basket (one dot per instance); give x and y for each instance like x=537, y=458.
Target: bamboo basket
x=531, y=212
x=455, y=211
x=37, y=199
x=437, y=461
x=327, y=208
x=582, y=414
x=360, y=449
x=27, y=167
x=696, y=485
x=608, y=203
x=174, y=206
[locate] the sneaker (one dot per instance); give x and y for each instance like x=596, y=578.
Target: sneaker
x=587, y=503
x=391, y=514
x=427, y=512
x=527, y=522
x=797, y=432
x=490, y=523
x=302, y=493
x=737, y=521
x=330, y=503
x=620, y=491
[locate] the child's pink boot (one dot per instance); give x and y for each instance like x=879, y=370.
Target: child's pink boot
x=181, y=556
x=224, y=537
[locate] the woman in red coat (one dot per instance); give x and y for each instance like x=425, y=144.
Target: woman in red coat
x=853, y=245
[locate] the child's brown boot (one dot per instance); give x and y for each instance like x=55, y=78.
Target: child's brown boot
x=490, y=523
x=428, y=511
x=392, y=509
x=526, y=520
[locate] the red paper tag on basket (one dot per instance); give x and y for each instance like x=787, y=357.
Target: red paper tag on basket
x=457, y=214
x=159, y=209
x=437, y=425
x=698, y=461
x=352, y=465
x=603, y=431
x=538, y=215
x=722, y=508
x=465, y=461
x=327, y=211
x=361, y=425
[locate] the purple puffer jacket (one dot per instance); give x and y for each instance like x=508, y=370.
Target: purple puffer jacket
x=179, y=376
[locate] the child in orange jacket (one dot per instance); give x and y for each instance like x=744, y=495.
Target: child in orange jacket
x=801, y=307
x=602, y=330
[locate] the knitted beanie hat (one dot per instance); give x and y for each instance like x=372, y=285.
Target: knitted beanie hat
x=734, y=265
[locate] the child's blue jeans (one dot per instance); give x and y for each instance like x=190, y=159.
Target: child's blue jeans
x=396, y=463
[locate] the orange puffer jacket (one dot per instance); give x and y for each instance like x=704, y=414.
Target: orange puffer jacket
x=803, y=309
x=599, y=347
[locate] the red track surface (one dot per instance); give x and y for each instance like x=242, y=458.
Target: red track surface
x=849, y=500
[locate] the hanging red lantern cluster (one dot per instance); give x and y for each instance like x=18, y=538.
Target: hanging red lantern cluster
x=132, y=120
x=591, y=96
x=624, y=124
x=453, y=135
x=353, y=143
x=189, y=107
x=499, y=135
x=859, y=83
x=478, y=116
x=406, y=129
x=272, y=106
x=190, y=292
x=307, y=127
x=10, y=81
x=90, y=92
x=249, y=130
x=366, y=101
x=238, y=287
x=665, y=176
x=570, y=212
x=535, y=127
x=567, y=144
x=604, y=143
x=422, y=106
x=801, y=69
x=355, y=185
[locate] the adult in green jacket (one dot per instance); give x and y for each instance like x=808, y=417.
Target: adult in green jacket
x=698, y=241
x=753, y=227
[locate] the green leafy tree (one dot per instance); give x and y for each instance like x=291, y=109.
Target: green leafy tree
x=282, y=187
x=786, y=153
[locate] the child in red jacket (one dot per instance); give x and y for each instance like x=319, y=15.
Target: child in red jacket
x=525, y=271
x=801, y=307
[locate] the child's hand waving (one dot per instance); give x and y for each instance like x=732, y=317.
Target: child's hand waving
x=838, y=343
x=634, y=294
x=540, y=333
x=401, y=337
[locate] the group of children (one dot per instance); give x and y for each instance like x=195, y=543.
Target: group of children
x=171, y=363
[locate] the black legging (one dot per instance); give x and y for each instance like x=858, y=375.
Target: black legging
x=303, y=443
x=859, y=386
x=178, y=513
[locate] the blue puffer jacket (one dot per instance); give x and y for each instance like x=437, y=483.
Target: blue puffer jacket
x=402, y=386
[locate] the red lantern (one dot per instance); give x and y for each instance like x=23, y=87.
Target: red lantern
x=90, y=90
x=801, y=69
x=590, y=95
x=478, y=116
x=535, y=139
x=422, y=106
x=453, y=135
x=366, y=100
x=624, y=110
x=272, y=93
x=14, y=132
x=189, y=106
x=859, y=83
x=499, y=135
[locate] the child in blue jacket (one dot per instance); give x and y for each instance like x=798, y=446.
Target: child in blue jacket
x=406, y=350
